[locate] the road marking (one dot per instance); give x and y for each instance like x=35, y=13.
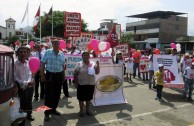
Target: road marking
x=142, y=114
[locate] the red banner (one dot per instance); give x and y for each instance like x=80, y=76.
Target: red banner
x=72, y=24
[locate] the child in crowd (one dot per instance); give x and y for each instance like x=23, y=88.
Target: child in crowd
x=159, y=76
x=129, y=67
x=16, y=114
x=189, y=76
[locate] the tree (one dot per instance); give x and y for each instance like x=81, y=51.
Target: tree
x=126, y=38
x=11, y=40
x=58, y=25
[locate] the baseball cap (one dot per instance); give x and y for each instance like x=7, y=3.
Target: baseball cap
x=160, y=65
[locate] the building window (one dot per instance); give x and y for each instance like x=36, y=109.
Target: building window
x=143, y=27
x=0, y=35
x=176, y=27
x=177, y=18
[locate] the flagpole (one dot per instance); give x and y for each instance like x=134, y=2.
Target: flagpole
x=27, y=22
x=40, y=23
x=52, y=22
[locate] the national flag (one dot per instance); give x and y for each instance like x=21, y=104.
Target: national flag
x=49, y=13
x=36, y=19
x=26, y=12
x=112, y=38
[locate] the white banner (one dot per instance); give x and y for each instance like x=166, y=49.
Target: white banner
x=144, y=65
x=123, y=48
x=109, y=86
x=171, y=77
x=72, y=60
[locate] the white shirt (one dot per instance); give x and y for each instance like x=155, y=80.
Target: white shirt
x=186, y=63
x=189, y=73
x=22, y=73
x=151, y=67
x=129, y=63
x=36, y=54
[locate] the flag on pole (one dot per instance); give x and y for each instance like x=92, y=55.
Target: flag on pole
x=49, y=14
x=36, y=20
x=112, y=38
x=26, y=12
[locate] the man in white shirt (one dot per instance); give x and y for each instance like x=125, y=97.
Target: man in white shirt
x=23, y=77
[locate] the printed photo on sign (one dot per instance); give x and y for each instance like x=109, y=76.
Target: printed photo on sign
x=144, y=65
x=171, y=75
x=108, y=83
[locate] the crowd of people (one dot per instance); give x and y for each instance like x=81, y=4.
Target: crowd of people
x=51, y=77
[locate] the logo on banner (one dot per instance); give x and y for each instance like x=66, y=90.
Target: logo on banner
x=108, y=83
x=168, y=76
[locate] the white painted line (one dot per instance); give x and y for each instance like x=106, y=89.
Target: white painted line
x=140, y=115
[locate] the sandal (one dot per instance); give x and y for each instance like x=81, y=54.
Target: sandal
x=81, y=114
x=89, y=113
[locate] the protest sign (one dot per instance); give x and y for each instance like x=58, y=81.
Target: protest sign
x=171, y=75
x=109, y=86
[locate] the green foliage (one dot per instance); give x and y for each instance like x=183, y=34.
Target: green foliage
x=58, y=25
x=126, y=38
x=11, y=40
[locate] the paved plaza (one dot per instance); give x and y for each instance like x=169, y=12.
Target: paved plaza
x=141, y=110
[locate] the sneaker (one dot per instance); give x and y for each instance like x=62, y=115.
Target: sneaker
x=46, y=118
x=55, y=112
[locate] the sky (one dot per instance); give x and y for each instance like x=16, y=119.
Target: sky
x=94, y=11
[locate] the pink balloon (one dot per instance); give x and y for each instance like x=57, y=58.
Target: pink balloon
x=31, y=44
x=34, y=64
x=173, y=45
x=132, y=50
x=62, y=44
x=94, y=44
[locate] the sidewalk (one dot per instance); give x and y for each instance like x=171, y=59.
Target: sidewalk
x=141, y=110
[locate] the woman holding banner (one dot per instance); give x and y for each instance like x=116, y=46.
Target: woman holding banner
x=85, y=82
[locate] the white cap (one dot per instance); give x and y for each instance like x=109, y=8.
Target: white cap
x=192, y=63
x=118, y=52
x=160, y=65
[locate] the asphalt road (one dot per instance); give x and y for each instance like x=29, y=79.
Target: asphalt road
x=141, y=110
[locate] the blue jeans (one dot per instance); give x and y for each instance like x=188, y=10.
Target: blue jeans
x=135, y=67
x=188, y=86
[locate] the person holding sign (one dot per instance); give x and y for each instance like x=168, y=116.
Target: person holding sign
x=189, y=76
x=159, y=81
x=85, y=82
